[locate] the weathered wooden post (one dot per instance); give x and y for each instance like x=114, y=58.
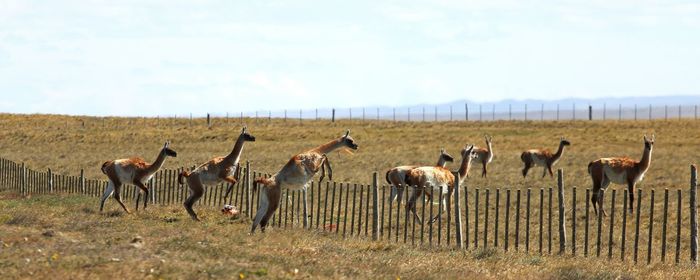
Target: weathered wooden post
x=209, y=120
x=562, y=218
x=678, y=225
x=573, y=221
x=333, y=115
x=375, y=207
x=248, y=205
x=590, y=112
x=82, y=181
x=458, y=211
x=636, y=226
x=693, y=214
x=663, y=231
x=612, y=223
x=305, y=205
x=651, y=226
x=50, y=181
x=466, y=112
x=22, y=180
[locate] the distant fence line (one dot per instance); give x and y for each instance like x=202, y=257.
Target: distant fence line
x=364, y=210
x=468, y=112
x=483, y=112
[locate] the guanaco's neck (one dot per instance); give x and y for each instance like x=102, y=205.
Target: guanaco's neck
x=441, y=161
x=328, y=147
x=464, y=167
x=157, y=164
x=646, y=160
x=559, y=152
x=488, y=145
x=235, y=154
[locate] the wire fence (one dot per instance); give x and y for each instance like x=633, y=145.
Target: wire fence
x=482, y=112
x=539, y=221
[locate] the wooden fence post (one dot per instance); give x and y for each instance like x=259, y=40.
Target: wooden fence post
x=305, y=205
x=248, y=205
x=651, y=226
x=562, y=218
x=678, y=225
x=375, y=207
x=50, y=180
x=663, y=231
x=612, y=223
x=693, y=214
x=458, y=211
x=636, y=227
x=22, y=180
x=82, y=181
x=466, y=112
x=333, y=115
x=573, y=221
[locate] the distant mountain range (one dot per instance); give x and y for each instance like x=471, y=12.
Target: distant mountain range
x=567, y=103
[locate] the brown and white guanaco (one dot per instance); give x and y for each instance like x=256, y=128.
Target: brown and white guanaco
x=543, y=157
x=396, y=176
x=484, y=155
x=132, y=171
x=296, y=175
x=619, y=170
x=216, y=170
x=438, y=178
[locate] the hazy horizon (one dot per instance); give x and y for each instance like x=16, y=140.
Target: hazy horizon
x=135, y=58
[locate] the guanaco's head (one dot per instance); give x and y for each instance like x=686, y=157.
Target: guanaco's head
x=348, y=141
x=487, y=138
x=246, y=136
x=564, y=142
x=649, y=143
x=169, y=152
x=469, y=152
x=445, y=156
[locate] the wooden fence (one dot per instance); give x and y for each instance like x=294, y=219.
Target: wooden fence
x=502, y=218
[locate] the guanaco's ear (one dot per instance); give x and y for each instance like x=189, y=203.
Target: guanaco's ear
x=347, y=132
x=645, y=138
x=245, y=127
x=653, y=137
x=442, y=150
x=167, y=143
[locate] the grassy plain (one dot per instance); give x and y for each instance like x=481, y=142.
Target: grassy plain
x=86, y=242
x=59, y=237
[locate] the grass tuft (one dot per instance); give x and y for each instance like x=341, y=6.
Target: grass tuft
x=22, y=220
x=486, y=254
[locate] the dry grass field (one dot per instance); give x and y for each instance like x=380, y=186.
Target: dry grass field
x=86, y=244
x=62, y=236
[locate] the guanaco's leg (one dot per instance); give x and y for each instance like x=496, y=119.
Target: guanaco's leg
x=118, y=198
x=196, y=191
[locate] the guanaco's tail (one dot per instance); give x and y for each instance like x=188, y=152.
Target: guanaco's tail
x=387, y=176
x=267, y=182
x=182, y=175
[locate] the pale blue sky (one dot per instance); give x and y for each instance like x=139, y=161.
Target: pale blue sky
x=175, y=57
